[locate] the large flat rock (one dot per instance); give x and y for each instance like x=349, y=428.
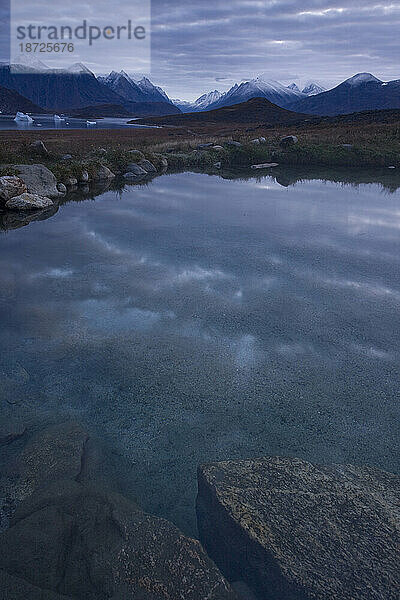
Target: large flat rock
x=295, y=531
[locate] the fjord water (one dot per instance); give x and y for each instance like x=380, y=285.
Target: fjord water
x=199, y=319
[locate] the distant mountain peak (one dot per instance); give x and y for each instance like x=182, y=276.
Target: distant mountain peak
x=134, y=88
x=311, y=88
x=293, y=87
x=361, y=78
x=79, y=68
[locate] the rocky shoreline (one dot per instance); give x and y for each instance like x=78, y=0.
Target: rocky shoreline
x=272, y=528
x=38, y=186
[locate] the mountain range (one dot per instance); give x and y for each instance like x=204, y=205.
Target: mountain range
x=119, y=93
x=77, y=87
x=359, y=93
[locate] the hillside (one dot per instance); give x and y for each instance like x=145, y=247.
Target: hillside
x=256, y=110
x=11, y=102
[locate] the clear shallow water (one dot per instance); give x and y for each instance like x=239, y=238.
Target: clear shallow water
x=198, y=319
x=47, y=122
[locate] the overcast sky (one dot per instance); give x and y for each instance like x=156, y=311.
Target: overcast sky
x=199, y=45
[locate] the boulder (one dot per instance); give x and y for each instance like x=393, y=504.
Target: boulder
x=61, y=188
x=39, y=148
x=103, y=173
x=10, y=186
x=71, y=181
x=66, y=157
x=299, y=531
x=38, y=180
x=256, y=142
x=217, y=147
x=84, y=177
x=147, y=166
x=264, y=166
x=233, y=144
x=288, y=140
x=136, y=154
x=217, y=165
x=205, y=146
x=134, y=171
x=28, y=201
x=262, y=140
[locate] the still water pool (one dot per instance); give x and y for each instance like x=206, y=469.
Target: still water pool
x=198, y=318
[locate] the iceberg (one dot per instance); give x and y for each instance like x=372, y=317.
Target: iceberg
x=58, y=119
x=90, y=123
x=22, y=117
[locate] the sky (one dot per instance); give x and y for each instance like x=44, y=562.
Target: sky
x=202, y=45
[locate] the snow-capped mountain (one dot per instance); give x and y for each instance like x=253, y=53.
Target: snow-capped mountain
x=259, y=87
x=293, y=87
x=77, y=87
x=207, y=99
x=134, y=89
x=55, y=89
x=153, y=93
x=312, y=88
x=360, y=92
x=121, y=84
x=202, y=103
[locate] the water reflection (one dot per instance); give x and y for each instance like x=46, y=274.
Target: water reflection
x=198, y=318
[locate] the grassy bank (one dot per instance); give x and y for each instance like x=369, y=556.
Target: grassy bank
x=367, y=145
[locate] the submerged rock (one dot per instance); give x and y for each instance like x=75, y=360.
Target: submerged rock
x=90, y=544
x=72, y=538
x=293, y=530
x=10, y=186
x=56, y=453
x=28, y=201
x=10, y=432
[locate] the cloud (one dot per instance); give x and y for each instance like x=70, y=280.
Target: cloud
x=198, y=46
